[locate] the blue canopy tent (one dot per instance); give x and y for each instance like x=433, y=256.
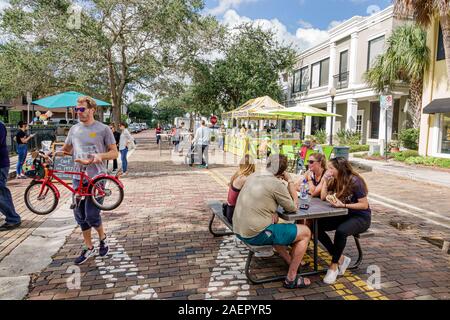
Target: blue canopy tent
x=65, y=100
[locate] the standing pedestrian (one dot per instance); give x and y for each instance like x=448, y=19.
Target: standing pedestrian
x=158, y=131
x=6, y=203
x=222, y=132
x=116, y=134
x=91, y=143
x=201, y=139
x=124, y=145
x=22, y=139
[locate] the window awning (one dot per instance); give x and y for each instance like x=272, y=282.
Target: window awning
x=438, y=106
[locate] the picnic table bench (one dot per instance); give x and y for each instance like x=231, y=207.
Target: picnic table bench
x=318, y=209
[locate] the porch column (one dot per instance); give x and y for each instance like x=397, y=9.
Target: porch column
x=383, y=123
x=353, y=59
x=352, y=113
x=307, y=126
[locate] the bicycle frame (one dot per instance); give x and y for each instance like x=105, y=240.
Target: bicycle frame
x=82, y=190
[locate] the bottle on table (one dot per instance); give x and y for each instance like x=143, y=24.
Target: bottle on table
x=304, y=195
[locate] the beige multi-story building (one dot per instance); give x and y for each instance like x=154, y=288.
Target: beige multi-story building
x=435, y=120
x=340, y=62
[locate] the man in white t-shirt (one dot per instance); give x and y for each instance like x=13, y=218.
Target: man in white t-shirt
x=201, y=142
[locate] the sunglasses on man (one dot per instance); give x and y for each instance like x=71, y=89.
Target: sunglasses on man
x=80, y=109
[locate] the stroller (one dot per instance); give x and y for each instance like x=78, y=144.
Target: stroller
x=190, y=154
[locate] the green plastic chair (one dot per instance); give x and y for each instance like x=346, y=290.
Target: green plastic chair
x=308, y=154
x=327, y=151
x=288, y=151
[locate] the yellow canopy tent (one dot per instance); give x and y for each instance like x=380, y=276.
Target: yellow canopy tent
x=258, y=108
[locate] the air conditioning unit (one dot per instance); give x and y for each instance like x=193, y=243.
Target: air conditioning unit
x=374, y=148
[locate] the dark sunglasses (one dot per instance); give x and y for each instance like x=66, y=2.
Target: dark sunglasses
x=311, y=161
x=80, y=109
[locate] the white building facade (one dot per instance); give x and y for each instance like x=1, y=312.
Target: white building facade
x=341, y=63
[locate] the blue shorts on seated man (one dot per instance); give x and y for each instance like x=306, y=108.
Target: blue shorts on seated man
x=275, y=234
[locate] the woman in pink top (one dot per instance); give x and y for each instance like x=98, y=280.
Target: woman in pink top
x=246, y=168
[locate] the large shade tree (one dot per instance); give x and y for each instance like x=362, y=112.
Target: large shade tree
x=249, y=66
x=110, y=46
x=406, y=59
x=424, y=11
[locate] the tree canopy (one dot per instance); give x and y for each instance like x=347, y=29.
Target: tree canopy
x=104, y=46
x=250, y=67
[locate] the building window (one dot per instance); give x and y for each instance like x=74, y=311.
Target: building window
x=359, y=120
x=324, y=72
x=319, y=73
x=395, y=118
x=374, y=119
x=445, y=134
x=317, y=123
x=376, y=47
x=315, y=75
x=301, y=80
x=440, y=46
x=343, y=62
x=341, y=79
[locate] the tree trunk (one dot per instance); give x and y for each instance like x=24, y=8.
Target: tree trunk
x=445, y=24
x=115, y=99
x=415, y=102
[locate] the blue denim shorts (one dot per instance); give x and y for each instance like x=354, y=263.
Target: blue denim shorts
x=282, y=234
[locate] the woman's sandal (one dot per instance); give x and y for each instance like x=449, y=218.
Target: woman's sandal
x=295, y=283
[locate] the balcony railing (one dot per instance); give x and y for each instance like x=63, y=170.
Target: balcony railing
x=341, y=80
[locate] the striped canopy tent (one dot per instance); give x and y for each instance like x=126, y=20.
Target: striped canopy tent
x=258, y=109
x=301, y=111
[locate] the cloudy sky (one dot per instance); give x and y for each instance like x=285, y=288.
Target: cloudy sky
x=301, y=22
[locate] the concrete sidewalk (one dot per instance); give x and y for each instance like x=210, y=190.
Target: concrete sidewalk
x=420, y=174
x=35, y=243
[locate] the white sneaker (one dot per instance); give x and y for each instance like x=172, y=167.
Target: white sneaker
x=331, y=276
x=343, y=267
x=264, y=253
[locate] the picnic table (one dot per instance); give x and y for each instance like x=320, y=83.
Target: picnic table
x=317, y=209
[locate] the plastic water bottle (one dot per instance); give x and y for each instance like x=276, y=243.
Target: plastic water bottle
x=304, y=193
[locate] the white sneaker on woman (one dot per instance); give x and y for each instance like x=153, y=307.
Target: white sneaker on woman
x=331, y=276
x=343, y=267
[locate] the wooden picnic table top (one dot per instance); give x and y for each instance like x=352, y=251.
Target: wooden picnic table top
x=317, y=209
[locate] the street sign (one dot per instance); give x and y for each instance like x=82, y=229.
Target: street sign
x=29, y=97
x=385, y=102
x=213, y=120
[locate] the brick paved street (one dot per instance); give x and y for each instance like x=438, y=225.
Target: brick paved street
x=161, y=247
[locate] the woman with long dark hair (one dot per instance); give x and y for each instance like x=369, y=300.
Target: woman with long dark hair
x=344, y=188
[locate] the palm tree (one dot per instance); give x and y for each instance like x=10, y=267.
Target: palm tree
x=406, y=59
x=423, y=11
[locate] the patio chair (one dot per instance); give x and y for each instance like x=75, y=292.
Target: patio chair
x=327, y=151
x=288, y=151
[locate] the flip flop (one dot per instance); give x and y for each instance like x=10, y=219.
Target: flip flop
x=295, y=284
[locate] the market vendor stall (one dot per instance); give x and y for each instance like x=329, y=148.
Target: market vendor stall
x=256, y=109
x=261, y=144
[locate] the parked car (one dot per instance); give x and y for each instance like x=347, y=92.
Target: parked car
x=132, y=128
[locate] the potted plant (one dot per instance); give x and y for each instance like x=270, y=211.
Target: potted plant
x=394, y=146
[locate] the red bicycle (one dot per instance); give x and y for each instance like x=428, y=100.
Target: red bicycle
x=42, y=196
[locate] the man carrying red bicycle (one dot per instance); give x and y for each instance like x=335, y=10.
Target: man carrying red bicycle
x=91, y=143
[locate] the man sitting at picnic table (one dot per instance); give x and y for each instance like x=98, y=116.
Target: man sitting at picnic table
x=256, y=222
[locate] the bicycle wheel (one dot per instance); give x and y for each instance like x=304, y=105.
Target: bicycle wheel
x=40, y=203
x=106, y=193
